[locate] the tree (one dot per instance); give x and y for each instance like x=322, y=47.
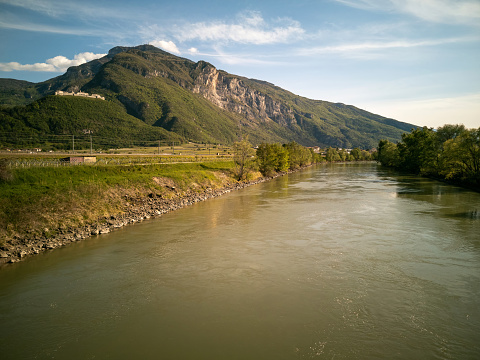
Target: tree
x=332, y=155
x=272, y=158
x=448, y=132
x=298, y=155
x=316, y=157
x=365, y=155
x=470, y=157
x=243, y=157
x=462, y=157
x=452, y=152
x=282, y=162
x=356, y=153
x=342, y=153
x=387, y=154
x=417, y=151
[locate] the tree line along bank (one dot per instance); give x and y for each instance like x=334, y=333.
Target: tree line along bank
x=271, y=158
x=450, y=153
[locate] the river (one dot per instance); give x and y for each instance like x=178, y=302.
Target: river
x=346, y=261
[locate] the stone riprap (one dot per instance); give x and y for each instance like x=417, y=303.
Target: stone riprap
x=138, y=209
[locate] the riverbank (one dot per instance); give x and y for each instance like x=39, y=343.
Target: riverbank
x=133, y=204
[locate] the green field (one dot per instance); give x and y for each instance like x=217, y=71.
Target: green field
x=42, y=199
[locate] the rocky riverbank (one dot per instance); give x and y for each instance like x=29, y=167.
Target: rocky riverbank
x=136, y=210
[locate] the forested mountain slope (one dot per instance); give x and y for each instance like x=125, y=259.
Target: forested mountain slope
x=177, y=98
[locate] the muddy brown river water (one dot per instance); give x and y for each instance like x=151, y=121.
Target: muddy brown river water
x=346, y=261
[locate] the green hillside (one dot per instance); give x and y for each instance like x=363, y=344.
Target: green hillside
x=162, y=103
x=55, y=119
x=17, y=92
x=153, y=95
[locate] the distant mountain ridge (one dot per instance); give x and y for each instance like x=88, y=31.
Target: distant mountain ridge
x=193, y=101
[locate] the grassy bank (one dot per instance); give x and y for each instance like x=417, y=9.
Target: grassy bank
x=41, y=200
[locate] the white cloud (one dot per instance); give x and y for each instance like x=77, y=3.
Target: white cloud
x=248, y=28
x=193, y=51
x=12, y=66
x=166, y=45
x=55, y=64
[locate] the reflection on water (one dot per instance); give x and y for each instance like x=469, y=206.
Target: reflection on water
x=339, y=261
x=472, y=215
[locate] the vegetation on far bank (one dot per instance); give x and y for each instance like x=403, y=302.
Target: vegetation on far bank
x=40, y=200
x=450, y=153
x=272, y=158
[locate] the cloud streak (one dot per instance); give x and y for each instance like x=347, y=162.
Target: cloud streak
x=26, y=26
x=438, y=11
x=55, y=64
x=236, y=59
x=441, y=11
x=68, y=18
x=61, y=8
x=352, y=49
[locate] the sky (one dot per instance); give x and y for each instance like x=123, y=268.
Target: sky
x=416, y=61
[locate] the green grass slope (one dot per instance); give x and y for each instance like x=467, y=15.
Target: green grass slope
x=50, y=118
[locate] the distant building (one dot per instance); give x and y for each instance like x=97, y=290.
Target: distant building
x=82, y=94
x=80, y=159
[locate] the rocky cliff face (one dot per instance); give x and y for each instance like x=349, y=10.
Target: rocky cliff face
x=231, y=94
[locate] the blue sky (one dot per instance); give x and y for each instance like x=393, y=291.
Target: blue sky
x=413, y=60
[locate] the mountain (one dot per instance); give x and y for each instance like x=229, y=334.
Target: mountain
x=159, y=96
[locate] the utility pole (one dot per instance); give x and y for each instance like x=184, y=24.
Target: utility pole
x=173, y=147
x=73, y=143
x=91, y=146
x=158, y=147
